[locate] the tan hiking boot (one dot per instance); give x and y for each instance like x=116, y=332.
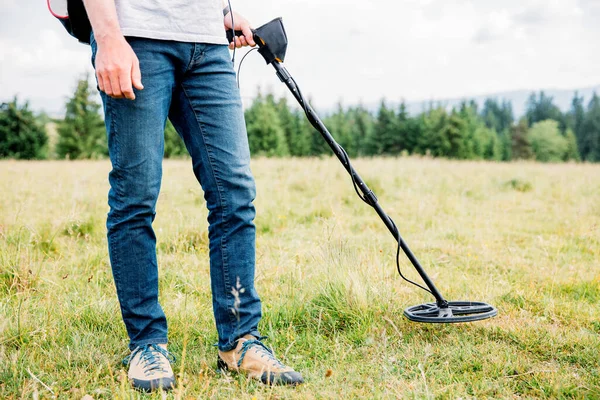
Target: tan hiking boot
x=150, y=368
x=253, y=358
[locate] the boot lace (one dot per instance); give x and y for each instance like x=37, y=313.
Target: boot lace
x=261, y=349
x=150, y=358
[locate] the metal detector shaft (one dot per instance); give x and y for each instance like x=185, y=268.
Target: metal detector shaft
x=314, y=119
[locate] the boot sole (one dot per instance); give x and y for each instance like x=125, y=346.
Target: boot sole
x=153, y=384
x=268, y=378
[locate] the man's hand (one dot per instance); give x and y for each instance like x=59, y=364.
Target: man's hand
x=118, y=68
x=241, y=24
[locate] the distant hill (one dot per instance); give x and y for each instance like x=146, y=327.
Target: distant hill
x=518, y=98
x=562, y=98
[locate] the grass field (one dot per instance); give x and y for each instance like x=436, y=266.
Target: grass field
x=522, y=236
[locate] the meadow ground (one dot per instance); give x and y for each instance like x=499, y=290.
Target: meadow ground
x=522, y=236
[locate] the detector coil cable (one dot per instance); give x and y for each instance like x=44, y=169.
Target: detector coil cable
x=349, y=167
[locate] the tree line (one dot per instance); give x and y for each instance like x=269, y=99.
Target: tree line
x=277, y=129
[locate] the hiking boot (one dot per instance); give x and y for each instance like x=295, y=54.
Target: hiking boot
x=253, y=358
x=150, y=368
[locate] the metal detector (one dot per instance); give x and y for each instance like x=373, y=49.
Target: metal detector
x=272, y=44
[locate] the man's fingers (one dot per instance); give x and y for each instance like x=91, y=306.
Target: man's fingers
x=246, y=40
x=248, y=35
x=115, y=85
x=100, y=83
x=107, y=85
x=136, y=75
x=125, y=85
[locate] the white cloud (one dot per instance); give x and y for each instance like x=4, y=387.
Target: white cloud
x=353, y=51
x=6, y=5
x=44, y=72
x=49, y=54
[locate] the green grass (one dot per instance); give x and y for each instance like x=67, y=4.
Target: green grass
x=523, y=236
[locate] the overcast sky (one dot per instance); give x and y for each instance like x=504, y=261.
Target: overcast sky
x=354, y=51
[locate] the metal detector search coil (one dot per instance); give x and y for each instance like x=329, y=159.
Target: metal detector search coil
x=272, y=41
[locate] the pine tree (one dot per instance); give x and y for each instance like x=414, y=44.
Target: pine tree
x=505, y=146
x=174, y=145
x=476, y=136
x=575, y=119
x=286, y=119
x=455, y=133
x=385, y=138
x=297, y=142
x=542, y=109
x=340, y=128
x=495, y=149
x=498, y=117
x=412, y=133
x=361, y=129
x=22, y=136
x=520, y=146
x=572, y=153
x=590, y=132
x=432, y=141
x=303, y=133
x=81, y=134
x=404, y=130
x=317, y=146
x=265, y=134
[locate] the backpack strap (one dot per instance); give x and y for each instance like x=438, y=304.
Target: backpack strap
x=72, y=15
x=80, y=24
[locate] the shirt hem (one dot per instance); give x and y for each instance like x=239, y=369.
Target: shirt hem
x=178, y=37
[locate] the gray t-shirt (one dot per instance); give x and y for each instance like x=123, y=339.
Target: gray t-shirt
x=196, y=21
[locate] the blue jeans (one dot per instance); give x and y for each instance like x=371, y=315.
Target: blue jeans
x=193, y=85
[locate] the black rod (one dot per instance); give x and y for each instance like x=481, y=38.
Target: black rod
x=314, y=119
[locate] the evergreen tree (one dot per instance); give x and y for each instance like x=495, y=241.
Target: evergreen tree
x=495, y=148
x=412, y=134
x=405, y=130
x=174, y=145
x=520, y=146
x=265, y=134
x=433, y=141
x=476, y=136
x=508, y=117
x=302, y=138
x=455, y=135
x=317, y=146
x=385, y=138
x=297, y=143
x=547, y=143
x=498, y=117
x=361, y=128
x=505, y=146
x=575, y=119
x=542, y=109
x=340, y=128
x=590, y=132
x=572, y=153
x=22, y=136
x=81, y=134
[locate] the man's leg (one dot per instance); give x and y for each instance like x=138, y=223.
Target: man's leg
x=207, y=112
x=136, y=144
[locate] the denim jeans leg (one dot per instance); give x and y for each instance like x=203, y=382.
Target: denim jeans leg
x=135, y=132
x=207, y=112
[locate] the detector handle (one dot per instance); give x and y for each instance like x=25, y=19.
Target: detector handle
x=237, y=33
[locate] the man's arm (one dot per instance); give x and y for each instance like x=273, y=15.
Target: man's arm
x=117, y=66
